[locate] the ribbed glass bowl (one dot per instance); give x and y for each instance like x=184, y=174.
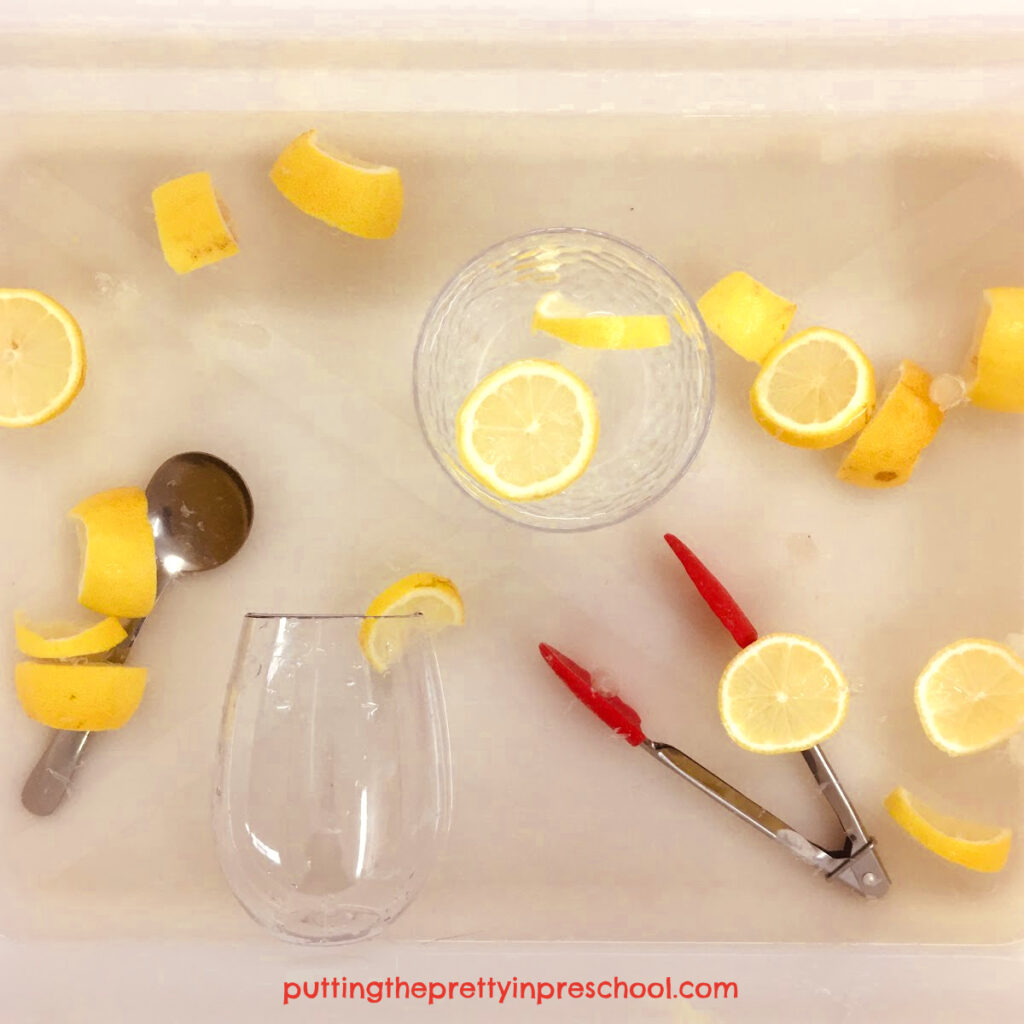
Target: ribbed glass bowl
x=654, y=404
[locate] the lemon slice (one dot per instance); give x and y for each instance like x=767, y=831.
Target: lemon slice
x=57, y=642
x=814, y=391
x=421, y=602
x=528, y=430
x=360, y=198
x=970, y=696
x=967, y=843
x=83, y=698
x=554, y=314
x=751, y=319
x=192, y=223
x=42, y=358
x=995, y=366
x=887, y=449
x=119, y=563
x=782, y=693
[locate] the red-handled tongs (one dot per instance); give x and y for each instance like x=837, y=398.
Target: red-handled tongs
x=856, y=864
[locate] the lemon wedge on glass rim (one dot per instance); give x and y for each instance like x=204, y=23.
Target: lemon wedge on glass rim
x=421, y=602
x=42, y=358
x=970, y=696
x=556, y=315
x=815, y=390
x=781, y=694
x=528, y=430
x=967, y=843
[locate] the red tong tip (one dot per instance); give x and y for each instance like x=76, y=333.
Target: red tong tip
x=718, y=599
x=612, y=710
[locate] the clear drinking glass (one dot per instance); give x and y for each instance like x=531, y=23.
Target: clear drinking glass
x=654, y=404
x=334, y=781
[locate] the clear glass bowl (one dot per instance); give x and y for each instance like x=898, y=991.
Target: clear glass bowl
x=655, y=404
x=333, y=790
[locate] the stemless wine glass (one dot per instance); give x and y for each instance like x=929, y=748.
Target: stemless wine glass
x=654, y=404
x=334, y=781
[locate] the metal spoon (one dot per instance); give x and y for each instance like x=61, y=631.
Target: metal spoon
x=201, y=513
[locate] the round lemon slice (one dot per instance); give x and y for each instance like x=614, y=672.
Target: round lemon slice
x=83, y=698
x=782, y=693
x=970, y=696
x=967, y=843
x=42, y=358
x=815, y=390
x=119, y=562
x=554, y=314
x=528, y=430
x=995, y=365
x=887, y=449
x=421, y=602
x=352, y=195
x=58, y=643
x=750, y=318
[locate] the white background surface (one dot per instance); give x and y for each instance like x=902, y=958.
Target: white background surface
x=117, y=979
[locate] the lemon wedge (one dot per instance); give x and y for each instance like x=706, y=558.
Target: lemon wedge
x=782, y=693
x=528, y=430
x=119, y=563
x=42, y=358
x=83, y=698
x=192, y=223
x=428, y=603
x=887, y=449
x=967, y=843
x=554, y=314
x=357, y=197
x=970, y=696
x=815, y=390
x=995, y=366
x=57, y=642
x=750, y=318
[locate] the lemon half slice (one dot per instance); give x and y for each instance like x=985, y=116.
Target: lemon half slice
x=887, y=449
x=192, y=223
x=119, y=562
x=782, y=693
x=815, y=390
x=429, y=603
x=350, y=194
x=750, y=318
x=970, y=696
x=995, y=366
x=554, y=314
x=42, y=358
x=967, y=843
x=57, y=642
x=528, y=430
x=83, y=698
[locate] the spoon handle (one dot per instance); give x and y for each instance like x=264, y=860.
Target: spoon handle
x=48, y=782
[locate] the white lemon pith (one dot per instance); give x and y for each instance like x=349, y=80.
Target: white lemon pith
x=59, y=642
x=781, y=694
x=529, y=430
x=192, y=223
x=970, y=696
x=119, y=561
x=554, y=314
x=83, y=698
x=995, y=366
x=750, y=318
x=42, y=358
x=422, y=602
x=815, y=390
x=967, y=843
x=887, y=449
x=352, y=195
